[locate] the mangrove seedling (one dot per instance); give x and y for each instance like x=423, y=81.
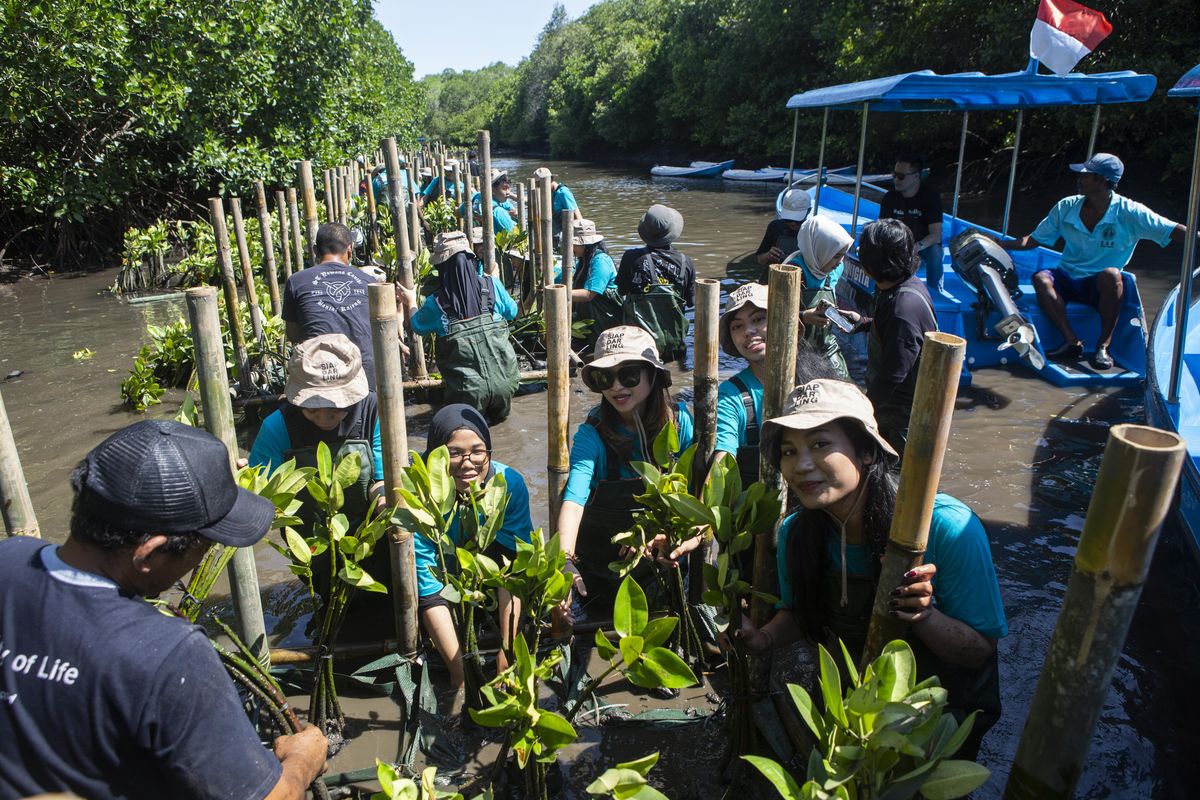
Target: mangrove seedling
x=396, y=786
x=627, y=781
x=887, y=738
x=440, y=216
x=536, y=577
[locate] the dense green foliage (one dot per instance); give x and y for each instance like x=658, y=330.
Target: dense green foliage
x=711, y=77
x=118, y=112
x=458, y=104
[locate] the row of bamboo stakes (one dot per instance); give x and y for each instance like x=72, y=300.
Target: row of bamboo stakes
x=1132, y=495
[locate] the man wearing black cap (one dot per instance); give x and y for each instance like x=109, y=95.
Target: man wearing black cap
x=1100, y=230
x=101, y=694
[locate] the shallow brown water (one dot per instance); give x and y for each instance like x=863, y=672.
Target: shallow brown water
x=1023, y=455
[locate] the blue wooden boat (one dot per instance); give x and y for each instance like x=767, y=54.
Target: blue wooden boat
x=1000, y=319
x=697, y=169
x=1173, y=377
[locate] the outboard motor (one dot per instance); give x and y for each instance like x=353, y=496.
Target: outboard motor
x=987, y=268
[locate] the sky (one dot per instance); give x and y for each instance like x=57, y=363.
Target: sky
x=495, y=31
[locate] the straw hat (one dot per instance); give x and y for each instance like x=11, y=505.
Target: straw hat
x=584, y=232
x=326, y=372
x=447, y=245
x=621, y=344
x=660, y=225
x=819, y=402
x=753, y=293
x=499, y=175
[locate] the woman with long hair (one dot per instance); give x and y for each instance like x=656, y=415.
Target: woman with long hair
x=599, y=501
x=829, y=450
x=594, y=292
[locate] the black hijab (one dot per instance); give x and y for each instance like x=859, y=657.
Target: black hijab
x=453, y=418
x=461, y=294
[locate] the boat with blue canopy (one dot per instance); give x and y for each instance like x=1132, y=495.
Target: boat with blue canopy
x=1173, y=374
x=988, y=299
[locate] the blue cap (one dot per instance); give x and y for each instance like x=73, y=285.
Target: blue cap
x=1106, y=165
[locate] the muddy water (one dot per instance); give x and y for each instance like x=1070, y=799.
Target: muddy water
x=1024, y=455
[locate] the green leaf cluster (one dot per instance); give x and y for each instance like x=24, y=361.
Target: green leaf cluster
x=396, y=786
x=643, y=659
x=627, y=781
x=887, y=738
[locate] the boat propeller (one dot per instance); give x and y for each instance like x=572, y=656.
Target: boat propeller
x=1022, y=341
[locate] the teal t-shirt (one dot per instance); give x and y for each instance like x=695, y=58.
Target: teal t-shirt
x=602, y=274
x=502, y=213
x=563, y=200
x=430, y=318
x=589, y=462
x=517, y=525
x=731, y=411
x=1111, y=243
x=965, y=586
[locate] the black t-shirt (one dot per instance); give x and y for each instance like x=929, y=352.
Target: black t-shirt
x=776, y=228
x=903, y=315
x=359, y=423
x=917, y=212
x=643, y=266
x=332, y=298
x=104, y=696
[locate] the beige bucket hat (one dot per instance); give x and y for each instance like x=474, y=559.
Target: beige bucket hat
x=326, y=372
x=498, y=175
x=584, y=232
x=448, y=244
x=753, y=293
x=624, y=343
x=818, y=402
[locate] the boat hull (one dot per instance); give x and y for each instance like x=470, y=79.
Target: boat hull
x=697, y=169
x=957, y=315
x=1182, y=417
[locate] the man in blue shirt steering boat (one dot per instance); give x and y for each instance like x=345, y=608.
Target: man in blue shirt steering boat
x=1099, y=229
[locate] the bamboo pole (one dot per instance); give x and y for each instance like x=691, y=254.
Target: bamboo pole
x=485, y=201
x=558, y=400
x=285, y=234
x=218, y=420
x=216, y=215
x=785, y=288
x=294, y=220
x=270, y=276
x=414, y=215
x=239, y=232
x=468, y=196
x=441, y=167
x=17, y=508
x=455, y=177
x=928, y=433
x=535, y=227
x=704, y=380
x=567, y=249
x=309, y=197
x=330, y=215
x=404, y=256
x=339, y=196
x=522, y=207
x=385, y=336
x=546, y=224
x=1130, y=499
x=372, y=215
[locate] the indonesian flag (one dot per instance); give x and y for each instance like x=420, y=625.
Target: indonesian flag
x=1065, y=32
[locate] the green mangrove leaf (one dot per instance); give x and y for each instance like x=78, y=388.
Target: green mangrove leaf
x=955, y=778
x=851, y=669
x=657, y=631
x=604, y=647
x=631, y=648
x=783, y=782
x=831, y=686
x=317, y=491
x=808, y=712
x=441, y=485
x=688, y=507
x=348, y=469
x=951, y=746
x=630, y=612
x=297, y=547
x=648, y=472
x=895, y=669
x=324, y=463
x=666, y=443
x=554, y=730
x=670, y=669
x=641, y=765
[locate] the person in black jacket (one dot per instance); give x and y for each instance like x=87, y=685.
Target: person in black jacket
x=658, y=282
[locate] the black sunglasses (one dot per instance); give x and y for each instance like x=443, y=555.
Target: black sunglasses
x=628, y=375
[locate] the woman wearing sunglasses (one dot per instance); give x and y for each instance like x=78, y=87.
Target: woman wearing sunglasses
x=828, y=448
x=635, y=404
x=466, y=436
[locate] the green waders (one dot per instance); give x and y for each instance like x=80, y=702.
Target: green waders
x=659, y=310
x=969, y=689
x=604, y=310
x=479, y=366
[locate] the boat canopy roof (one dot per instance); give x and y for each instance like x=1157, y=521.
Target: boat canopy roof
x=974, y=91
x=1188, y=85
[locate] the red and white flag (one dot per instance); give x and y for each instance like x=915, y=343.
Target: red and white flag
x=1065, y=32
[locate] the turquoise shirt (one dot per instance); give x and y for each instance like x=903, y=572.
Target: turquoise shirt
x=731, y=411
x=1110, y=243
x=517, y=525
x=811, y=281
x=589, y=463
x=431, y=319
x=602, y=275
x=431, y=191
x=273, y=442
x=563, y=200
x=965, y=586
x=502, y=213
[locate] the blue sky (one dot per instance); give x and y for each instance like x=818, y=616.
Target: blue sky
x=480, y=32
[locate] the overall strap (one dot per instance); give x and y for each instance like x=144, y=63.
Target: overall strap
x=752, y=428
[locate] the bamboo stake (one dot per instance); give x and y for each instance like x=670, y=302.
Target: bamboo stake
x=385, y=334
x=1131, y=497
x=455, y=177
x=468, y=196
x=441, y=167
x=404, y=256
x=928, y=433
x=17, y=508
x=218, y=420
x=414, y=215
x=558, y=399
x=546, y=225
x=535, y=227
x=567, y=249
x=239, y=232
x=522, y=207
x=330, y=211
x=785, y=290
x=372, y=215
x=294, y=220
x=270, y=276
x=704, y=380
x=216, y=214
x=285, y=234
x=309, y=196
x=339, y=196
x=485, y=202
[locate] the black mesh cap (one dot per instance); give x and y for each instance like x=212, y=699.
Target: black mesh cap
x=160, y=476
